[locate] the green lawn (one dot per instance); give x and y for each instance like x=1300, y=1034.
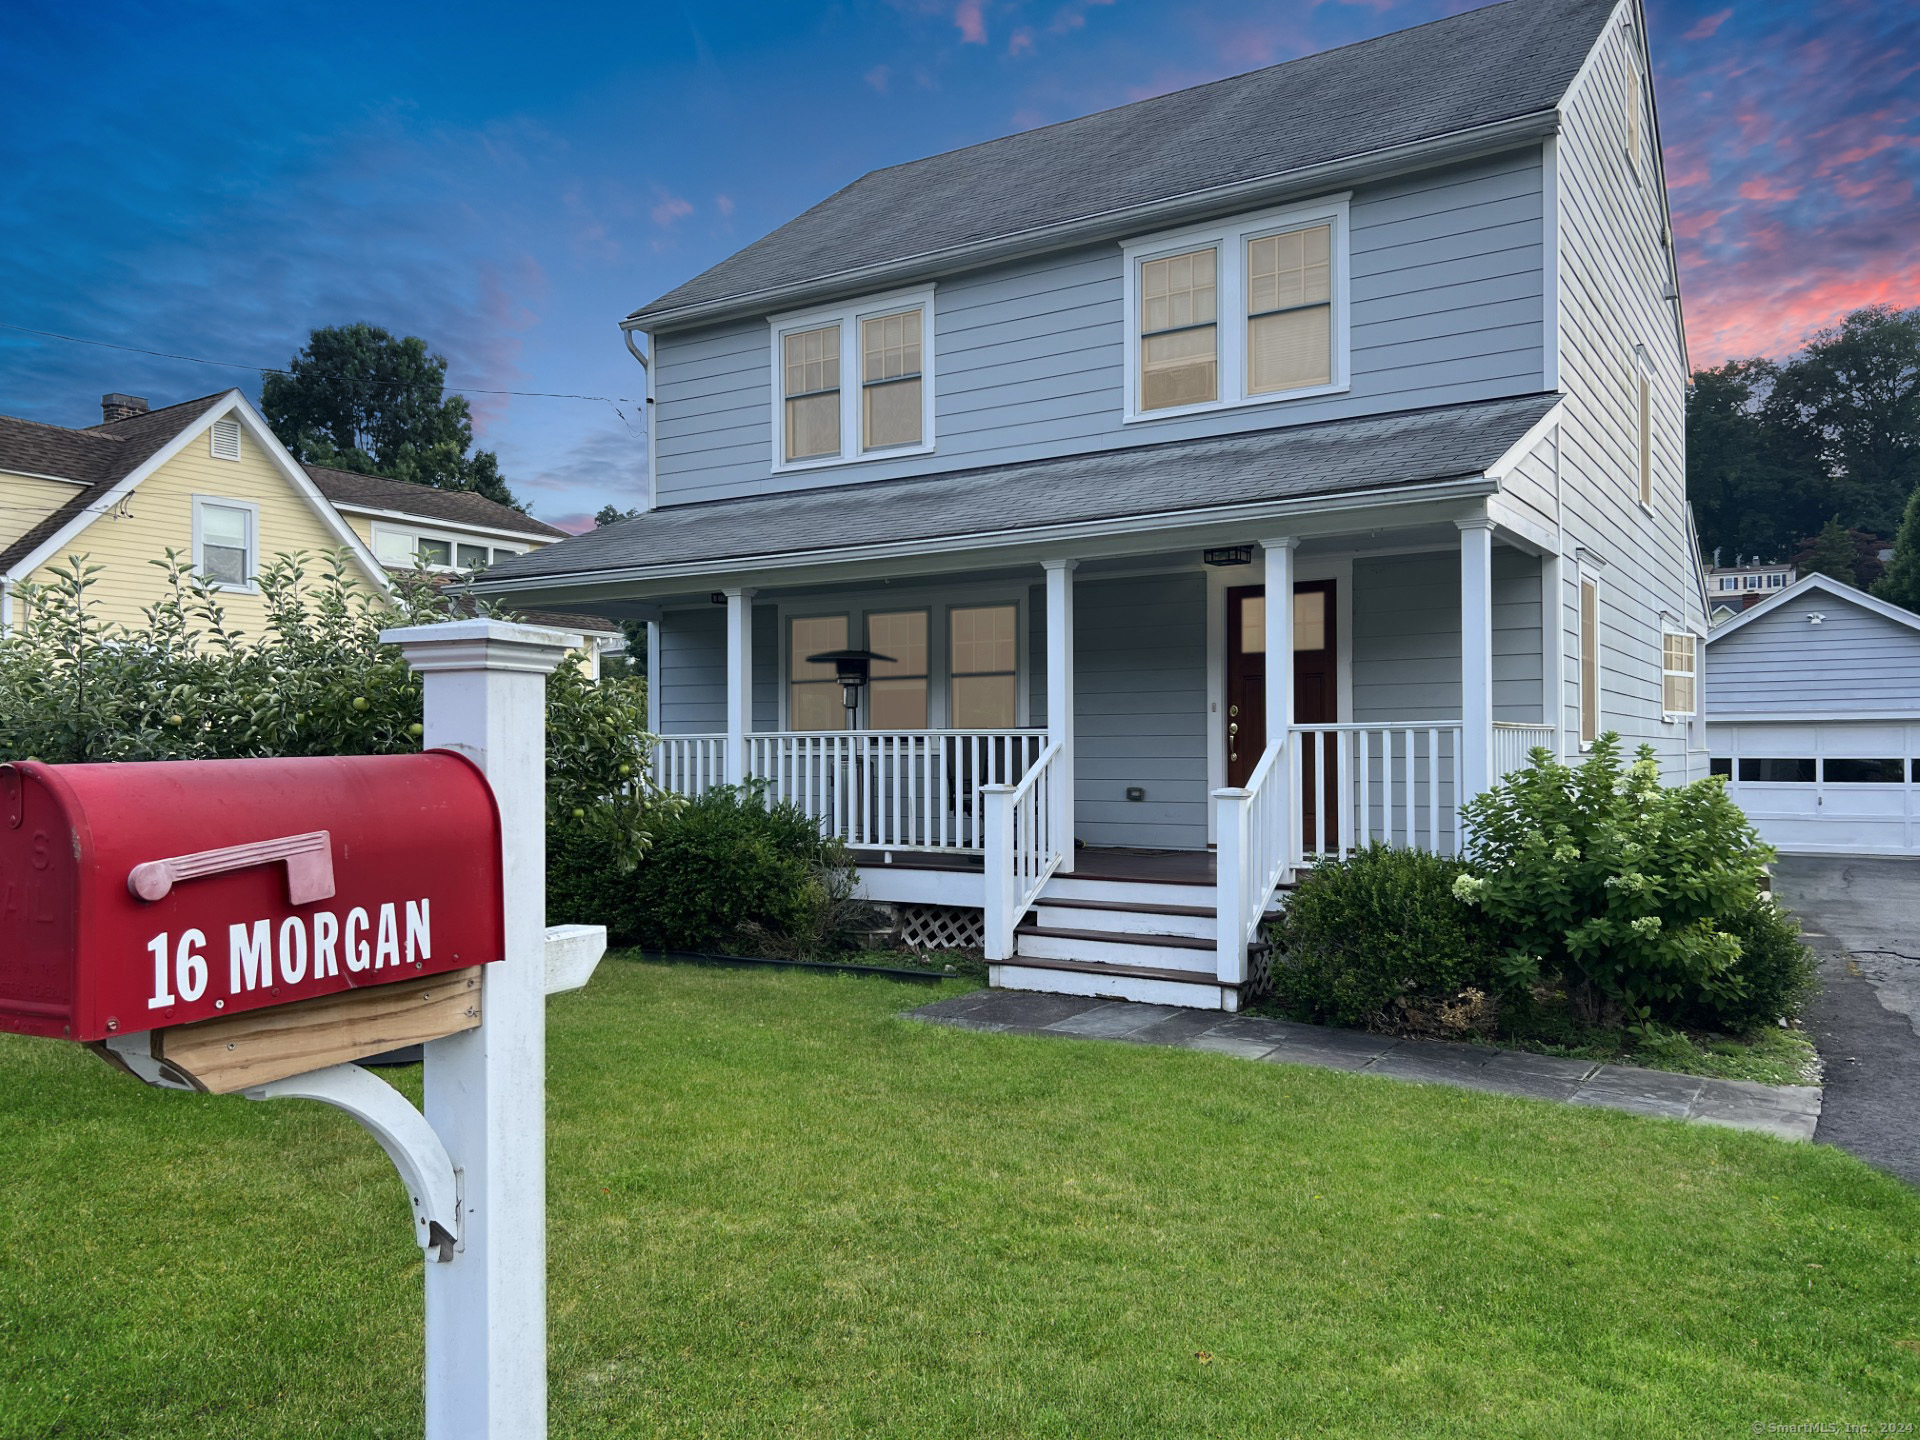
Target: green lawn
x=778, y=1210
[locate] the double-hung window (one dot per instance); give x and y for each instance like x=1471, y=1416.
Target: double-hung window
x=813, y=689
x=898, y=698
x=1679, y=672
x=1248, y=312
x=226, y=541
x=983, y=663
x=854, y=382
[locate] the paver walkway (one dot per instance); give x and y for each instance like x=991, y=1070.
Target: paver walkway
x=1789, y=1111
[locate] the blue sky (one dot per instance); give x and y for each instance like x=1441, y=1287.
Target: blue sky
x=507, y=181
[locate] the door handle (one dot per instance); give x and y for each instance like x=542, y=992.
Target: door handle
x=1233, y=729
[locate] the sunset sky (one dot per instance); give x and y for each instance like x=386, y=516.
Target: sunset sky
x=212, y=181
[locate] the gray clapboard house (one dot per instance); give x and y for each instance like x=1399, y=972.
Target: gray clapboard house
x=1815, y=699
x=1372, y=359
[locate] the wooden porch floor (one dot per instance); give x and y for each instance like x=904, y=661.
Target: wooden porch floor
x=1091, y=862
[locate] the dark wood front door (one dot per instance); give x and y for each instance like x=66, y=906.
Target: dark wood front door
x=1316, y=694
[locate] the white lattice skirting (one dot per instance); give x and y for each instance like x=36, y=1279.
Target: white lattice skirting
x=941, y=927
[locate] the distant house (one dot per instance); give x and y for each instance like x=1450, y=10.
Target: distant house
x=1813, y=715
x=208, y=480
x=1733, y=588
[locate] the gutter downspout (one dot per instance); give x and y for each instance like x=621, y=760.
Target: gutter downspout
x=627, y=327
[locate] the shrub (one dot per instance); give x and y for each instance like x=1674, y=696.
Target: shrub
x=729, y=870
x=1774, y=975
x=1380, y=939
x=1619, y=887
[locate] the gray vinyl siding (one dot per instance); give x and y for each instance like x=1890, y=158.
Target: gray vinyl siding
x=1140, y=711
x=693, y=670
x=1406, y=638
x=1853, y=663
x=1029, y=360
x=1614, y=276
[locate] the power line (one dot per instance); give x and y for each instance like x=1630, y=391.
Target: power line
x=275, y=370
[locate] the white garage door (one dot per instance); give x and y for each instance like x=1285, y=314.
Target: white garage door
x=1844, y=788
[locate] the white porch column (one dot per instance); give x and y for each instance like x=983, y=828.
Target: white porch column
x=739, y=682
x=486, y=1313
x=1060, y=698
x=1279, y=598
x=653, y=676
x=1476, y=656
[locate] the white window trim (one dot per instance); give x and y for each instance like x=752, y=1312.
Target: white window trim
x=252, y=587
x=417, y=533
x=848, y=318
x=1642, y=374
x=857, y=606
x=1671, y=630
x=1583, y=579
x=1230, y=240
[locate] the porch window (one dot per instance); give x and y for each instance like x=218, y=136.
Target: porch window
x=1589, y=662
x=1679, y=667
x=1179, y=347
x=984, y=654
x=890, y=380
x=812, y=368
x=813, y=693
x=897, y=697
x=1290, y=310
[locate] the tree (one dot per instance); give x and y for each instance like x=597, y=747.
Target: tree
x=1748, y=498
x=634, y=662
x=1901, y=583
x=356, y=398
x=1831, y=554
x=607, y=514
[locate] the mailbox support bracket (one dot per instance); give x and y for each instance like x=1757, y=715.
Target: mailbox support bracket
x=403, y=1132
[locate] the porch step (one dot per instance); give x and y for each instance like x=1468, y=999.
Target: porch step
x=1131, y=917
x=1184, y=953
x=1146, y=984
x=1077, y=887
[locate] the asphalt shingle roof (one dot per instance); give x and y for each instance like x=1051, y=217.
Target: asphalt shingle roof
x=1474, y=69
x=100, y=455
x=456, y=507
x=1375, y=452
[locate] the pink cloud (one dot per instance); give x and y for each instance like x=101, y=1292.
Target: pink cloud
x=724, y=204
x=1766, y=188
x=970, y=22
x=670, y=210
x=577, y=523
x=1073, y=16
x=1752, y=315
x=1022, y=41
x=1703, y=30
x=878, y=76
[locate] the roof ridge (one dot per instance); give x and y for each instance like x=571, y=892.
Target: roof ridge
x=1183, y=90
x=149, y=414
x=91, y=432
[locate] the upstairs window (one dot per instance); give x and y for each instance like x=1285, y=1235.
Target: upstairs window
x=1679, y=671
x=1251, y=311
x=1179, y=331
x=853, y=382
x=225, y=542
x=813, y=393
x=402, y=548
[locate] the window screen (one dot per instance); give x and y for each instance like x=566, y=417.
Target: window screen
x=898, y=698
x=1290, y=310
x=811, y=365
x=983, y=655
x=813, y=694
x=224, y=544
x=1179, y=341
x=890, y=380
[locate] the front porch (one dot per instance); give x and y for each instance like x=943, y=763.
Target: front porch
x=1126, y=834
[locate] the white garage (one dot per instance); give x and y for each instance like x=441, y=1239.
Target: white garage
x=1813, y=715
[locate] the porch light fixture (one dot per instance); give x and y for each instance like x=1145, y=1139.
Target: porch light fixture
x=1230, y=555
x=852, y=669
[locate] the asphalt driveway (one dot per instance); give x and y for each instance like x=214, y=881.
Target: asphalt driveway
x=1862, y=917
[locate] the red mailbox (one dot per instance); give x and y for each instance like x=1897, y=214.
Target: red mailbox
x=141, y=896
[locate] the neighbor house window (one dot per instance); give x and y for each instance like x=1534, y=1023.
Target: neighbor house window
x=225, y=541
x=1250, y=311
x=1679, y=670
x=402, y=548
x=890, y=380
x=812, y=368
x=1179, y=340
x=1290, y=310
x=854, y=382
x=813, y=692
x=897, y=698
x=983, y=655
x=1589, y=662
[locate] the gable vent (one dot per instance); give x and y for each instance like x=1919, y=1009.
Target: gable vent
x=226, y=439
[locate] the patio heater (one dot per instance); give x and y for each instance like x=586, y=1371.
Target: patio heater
x=852, y=668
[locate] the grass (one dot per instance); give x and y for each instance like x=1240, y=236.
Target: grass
x=1774, y=1056
x=777, y=1209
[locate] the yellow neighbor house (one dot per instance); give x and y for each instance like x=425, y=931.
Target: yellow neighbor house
x=207, y=479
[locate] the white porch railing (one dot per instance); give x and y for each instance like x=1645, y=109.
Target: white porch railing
x=1396, y=784
x=689, y=765
x=1253, y=832
x=1023, y=848
x=1513, y=745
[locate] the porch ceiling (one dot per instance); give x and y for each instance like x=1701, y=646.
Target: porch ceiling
x=1144, y=487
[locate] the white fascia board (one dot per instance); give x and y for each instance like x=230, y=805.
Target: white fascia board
x=296, y=474
x=1288, y=185
x=434, y=522
x=1826, y=584
x=1525, y=445
x=51, y=547
x=1155, y=529
x=36, y=475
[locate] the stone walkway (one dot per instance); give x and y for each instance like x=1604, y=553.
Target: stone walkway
x=1788, y=1111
